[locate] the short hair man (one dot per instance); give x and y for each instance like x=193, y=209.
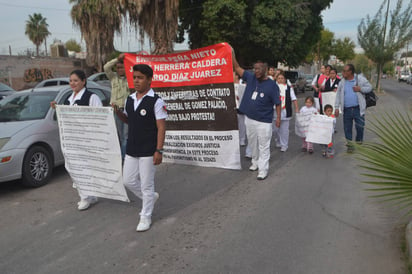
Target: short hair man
x=260, y=96
x=350, y=97
x=120, y=91
x=146, y=115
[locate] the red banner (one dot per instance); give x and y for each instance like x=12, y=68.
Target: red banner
x=202, y=66
x=197, y=87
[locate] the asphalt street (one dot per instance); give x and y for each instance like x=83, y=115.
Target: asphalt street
x=311, y=215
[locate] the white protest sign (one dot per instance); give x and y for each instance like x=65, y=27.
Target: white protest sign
x=329, y=98
x=91, y=150
x=202, y=148
x=320, y=130
x=302, y=123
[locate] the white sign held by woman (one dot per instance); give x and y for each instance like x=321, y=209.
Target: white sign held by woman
x=91, y=150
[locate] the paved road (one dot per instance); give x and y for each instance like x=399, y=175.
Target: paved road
x=400, y=90
x=310, y=216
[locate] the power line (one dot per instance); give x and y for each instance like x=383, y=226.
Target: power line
x=30, y=7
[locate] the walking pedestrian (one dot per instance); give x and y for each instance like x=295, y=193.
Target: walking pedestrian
x=146, y=115
x=350, y=97
x=81, y=97
x=287, y=96
x=309, y=107
x=261, y=94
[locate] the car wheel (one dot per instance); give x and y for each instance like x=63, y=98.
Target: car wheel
x=37, y=167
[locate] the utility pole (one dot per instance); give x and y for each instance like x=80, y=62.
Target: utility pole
x=45, y=45
x=10, y=50
x=378, y=82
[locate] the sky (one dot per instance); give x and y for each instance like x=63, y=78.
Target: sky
x=342, y=18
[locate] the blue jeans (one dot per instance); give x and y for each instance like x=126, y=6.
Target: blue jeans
x=353, y=114
x=122, y=132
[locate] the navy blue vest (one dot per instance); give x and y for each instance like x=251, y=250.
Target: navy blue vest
x=288, y=102
x=83, y=101
x=142, y=137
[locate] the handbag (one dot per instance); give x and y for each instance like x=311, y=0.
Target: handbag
x=370, y=97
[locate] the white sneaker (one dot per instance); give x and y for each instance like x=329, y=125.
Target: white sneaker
x=144, y=224
x=86, y=203
x=262, y=176
x=283, y=149
x=253, y=167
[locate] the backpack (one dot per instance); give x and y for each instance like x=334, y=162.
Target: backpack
x=370, y=97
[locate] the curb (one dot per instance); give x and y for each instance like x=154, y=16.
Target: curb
x=408, y=239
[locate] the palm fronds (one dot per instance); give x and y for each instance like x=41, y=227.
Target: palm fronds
x=387, y=163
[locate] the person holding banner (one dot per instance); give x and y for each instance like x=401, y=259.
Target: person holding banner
x=261, y=94
x=287, y=96
x=309, y=107
x=350, y=96
x=146, y=114
x=119, y=93
x=327, y=150
x=81, y=97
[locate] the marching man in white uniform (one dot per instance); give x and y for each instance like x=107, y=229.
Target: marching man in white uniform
x=145, y=113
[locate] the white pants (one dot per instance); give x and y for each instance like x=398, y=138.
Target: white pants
x=138, y=177
x=242, y=129
x=259, y=135
x=281, y=133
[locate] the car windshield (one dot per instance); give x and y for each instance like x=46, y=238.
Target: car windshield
x=4, y=87
x=27, y=106
x=291, y=75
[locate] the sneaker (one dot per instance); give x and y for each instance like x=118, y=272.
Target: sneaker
x=304, y=149
x=253, y=167
x=86, y=203
x=262, y=176
x=144, y=224
x=310, y=151
x=278, y=145
x=283, y=149
x=324, y=154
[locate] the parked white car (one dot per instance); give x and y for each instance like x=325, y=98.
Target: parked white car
x=29, y=135
x=409, y=80
x=404, y=76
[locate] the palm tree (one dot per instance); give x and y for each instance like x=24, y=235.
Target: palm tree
x=37, y=30
x=157, y=18
x=388, y=162
x=99, y=20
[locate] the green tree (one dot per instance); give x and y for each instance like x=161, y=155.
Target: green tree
x=344, y=49
x=389, y=68
x=272, y=31
x=72, y=45
x=363, y=64
x=37, y=30
x=379, y=43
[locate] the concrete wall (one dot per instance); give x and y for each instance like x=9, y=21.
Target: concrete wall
x=22, y=72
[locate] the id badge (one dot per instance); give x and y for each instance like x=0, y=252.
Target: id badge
x=254, y=95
